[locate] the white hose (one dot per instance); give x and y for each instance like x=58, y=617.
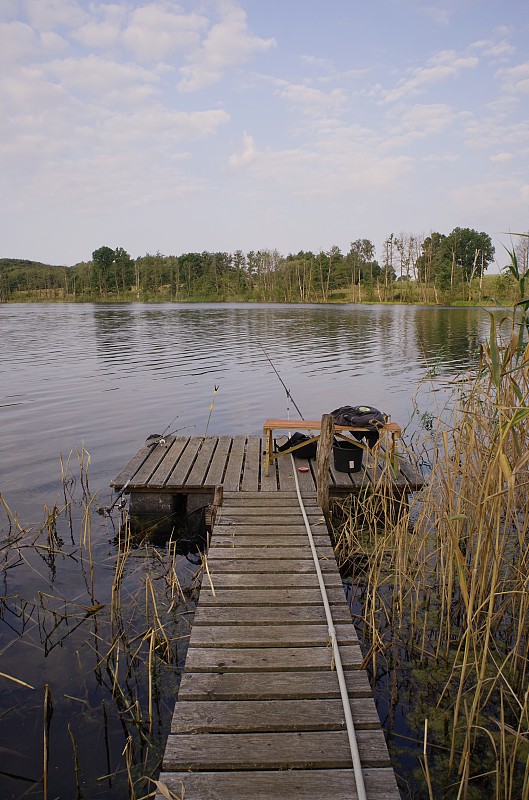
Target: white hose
x=351, y=733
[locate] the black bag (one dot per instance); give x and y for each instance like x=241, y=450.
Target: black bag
x=309, y=451
x=363, y=416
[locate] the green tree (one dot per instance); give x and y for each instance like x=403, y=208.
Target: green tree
x=469, y=253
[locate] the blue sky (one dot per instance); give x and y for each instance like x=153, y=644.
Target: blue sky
x=245, y=124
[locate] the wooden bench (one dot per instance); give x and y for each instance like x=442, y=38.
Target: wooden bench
x=271, y=425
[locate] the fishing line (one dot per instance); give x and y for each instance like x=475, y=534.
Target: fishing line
x=289, y=395
x=215, y=390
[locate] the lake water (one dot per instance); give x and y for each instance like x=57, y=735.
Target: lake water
x=105, y=377
x=110, y=375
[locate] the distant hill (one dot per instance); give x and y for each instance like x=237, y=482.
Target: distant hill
x=24, y=263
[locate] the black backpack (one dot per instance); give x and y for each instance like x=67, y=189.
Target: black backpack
x=363, y=416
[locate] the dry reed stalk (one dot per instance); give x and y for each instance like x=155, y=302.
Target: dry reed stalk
x=459, y=580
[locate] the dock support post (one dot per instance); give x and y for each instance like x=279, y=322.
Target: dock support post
x=322, y=461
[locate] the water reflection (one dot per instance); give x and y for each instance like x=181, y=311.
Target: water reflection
x=109, y=376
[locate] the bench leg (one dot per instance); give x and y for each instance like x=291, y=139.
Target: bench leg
x=269, y=448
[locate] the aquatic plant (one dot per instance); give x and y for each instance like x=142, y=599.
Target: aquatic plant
x=442, y=589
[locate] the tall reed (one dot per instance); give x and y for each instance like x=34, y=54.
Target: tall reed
x=445, y=583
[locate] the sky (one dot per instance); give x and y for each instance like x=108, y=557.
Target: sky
x=224, y=125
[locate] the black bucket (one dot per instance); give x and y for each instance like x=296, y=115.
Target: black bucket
x=347, y=457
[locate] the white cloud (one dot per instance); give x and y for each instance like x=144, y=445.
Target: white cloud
x=496, y=51
x=227, y=44
x=515, y=79
x=247, y=155
x=44, y=15
x=419, y=122
x=501, y=158
x=443, y=66
x=310, y=101
x=18, y=42
x=156, y=31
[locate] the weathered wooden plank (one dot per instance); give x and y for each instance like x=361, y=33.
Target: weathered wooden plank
x=269, y=483
x=271, y=685
x=173, y=452
x=265, y=551
x=234, y=539
x=197, y=476
x=229, y=528
x=270, y=580
x=232, y=476
x=262, y=499
x=285, y=472
x=272, y=635
x=250, y=476
x=131, y=467
x=259, y=716
x=218, y=463
x=244, y=497
x=261, y=614
x=158, y=453
x=263, y=565
x=307, y=750
x=185, y=462
x=277, y=512
x=311, y=784
x=269, y=659
x=268, y=597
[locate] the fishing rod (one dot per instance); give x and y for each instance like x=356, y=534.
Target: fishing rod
x=287, y=390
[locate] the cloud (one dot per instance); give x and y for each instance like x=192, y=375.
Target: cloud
x=310, y=101
x=247, y=155
x=501, y=158
x=496, y=51
x=515, y=79
x=18, y=43
x=419, y=122
x=155, y=32
x=441, y=67
x=227, y=44
x=45, y=15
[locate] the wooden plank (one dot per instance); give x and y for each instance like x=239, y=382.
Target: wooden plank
x=244, y=497
x=232, y=475
x=218, y=463
x=197, y=476
x=278, y=512
x=269, y=483
x=229, y=528
x=185, y=462
x=262, y=566
x=312, y=784
x=130, y=468
x=161, y=474
x=268, y=598
x=259, y=716
x=269, y=659
x=271, y=685
x=259, y=636
x=285, y=473
x=270, y=580
x=145, y=472
x=314, y=750
x=234, y=539
x=250, y=475
x=261, y=614
x=267, y=551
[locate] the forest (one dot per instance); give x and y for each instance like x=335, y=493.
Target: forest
x=438, y=268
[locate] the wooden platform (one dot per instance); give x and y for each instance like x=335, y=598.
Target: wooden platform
x=195, y=464
x=259, y=714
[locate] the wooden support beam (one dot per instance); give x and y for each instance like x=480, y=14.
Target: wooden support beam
x=322, y=461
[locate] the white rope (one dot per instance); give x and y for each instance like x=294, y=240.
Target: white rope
x=351, y=733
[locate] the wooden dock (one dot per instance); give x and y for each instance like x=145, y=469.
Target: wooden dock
x=259, y=714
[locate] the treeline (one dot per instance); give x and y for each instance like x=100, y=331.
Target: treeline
x=438, y=268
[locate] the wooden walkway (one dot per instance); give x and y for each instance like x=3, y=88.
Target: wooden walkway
x=196, y=464
x=259, y=714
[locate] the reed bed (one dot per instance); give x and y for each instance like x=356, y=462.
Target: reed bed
x=99, y=617
x=441, y=588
